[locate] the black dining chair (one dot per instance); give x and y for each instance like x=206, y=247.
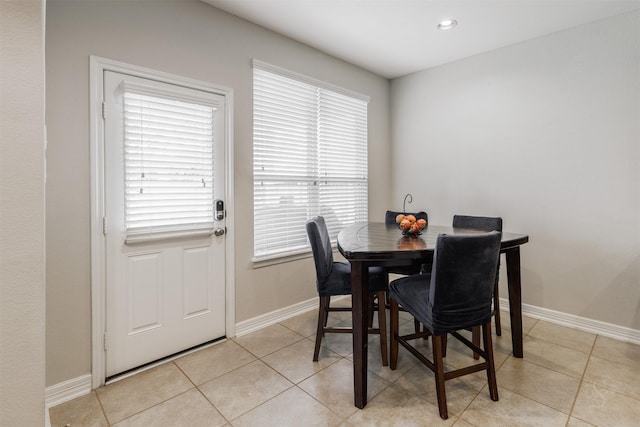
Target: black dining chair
x=456, y=295
x=485, y=223
x=333, y=279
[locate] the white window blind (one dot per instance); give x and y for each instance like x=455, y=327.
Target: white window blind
x=168, y=164
x=310, y=158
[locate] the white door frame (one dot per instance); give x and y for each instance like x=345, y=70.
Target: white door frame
x=97, y=171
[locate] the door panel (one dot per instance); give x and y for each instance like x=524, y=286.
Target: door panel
x=144, y=282
x=195, y=279
x=163, y=294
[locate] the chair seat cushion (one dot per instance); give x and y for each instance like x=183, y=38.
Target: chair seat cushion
x=339, y=281
x=412, y=293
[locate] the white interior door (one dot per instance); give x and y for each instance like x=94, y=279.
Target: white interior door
x=165, y=241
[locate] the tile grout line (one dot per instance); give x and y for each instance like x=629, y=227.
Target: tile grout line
x=293, y=385
x=485, y=386
x=260, y=357
x=584, y=371
x=342, y=419
x=552, y=370
x=605, y=386
x=525, y=361
x=104, y=413
x=166, y=400
x=201, y=393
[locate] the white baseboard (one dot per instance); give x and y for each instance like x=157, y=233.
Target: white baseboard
x=67, y=390
x=620, y=333
x=251, y=325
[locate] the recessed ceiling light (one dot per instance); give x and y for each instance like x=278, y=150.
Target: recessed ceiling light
x=447, y=24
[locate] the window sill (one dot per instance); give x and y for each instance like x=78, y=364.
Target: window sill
x=281, y=259
x=288, y=257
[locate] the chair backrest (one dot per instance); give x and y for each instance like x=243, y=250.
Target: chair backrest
x=321, y=247
x=462, y=280
x=485, y=223
x=390, y=216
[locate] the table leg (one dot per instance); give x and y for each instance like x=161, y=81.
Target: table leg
x=515, y=299
x=360, y=296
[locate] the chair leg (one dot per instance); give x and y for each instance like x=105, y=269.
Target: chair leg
x=445, y=340
x=370, y=309
x=438, y=370
x=393, y=334
x=475, y=339
x=382, y=325
x=386, y=293
x=322, y=322
x=491, y=369
x=496, y=308
x=327, y=302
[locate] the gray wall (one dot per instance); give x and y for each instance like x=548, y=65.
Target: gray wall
x=545, y=134
x=195, y=40
x=22, y=218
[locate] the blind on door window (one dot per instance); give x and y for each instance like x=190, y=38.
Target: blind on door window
x=168, y=149
x=309, y=158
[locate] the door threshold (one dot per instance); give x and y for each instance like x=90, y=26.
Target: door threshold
x=133, y=371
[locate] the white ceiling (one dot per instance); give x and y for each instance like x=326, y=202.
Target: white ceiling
x=393, y=38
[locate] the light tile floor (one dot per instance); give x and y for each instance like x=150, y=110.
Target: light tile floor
x=567, y=378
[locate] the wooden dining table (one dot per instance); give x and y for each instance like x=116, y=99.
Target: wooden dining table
x=367, y=244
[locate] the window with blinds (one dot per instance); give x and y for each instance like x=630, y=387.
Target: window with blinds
x=168, y=164
x=309, y=158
